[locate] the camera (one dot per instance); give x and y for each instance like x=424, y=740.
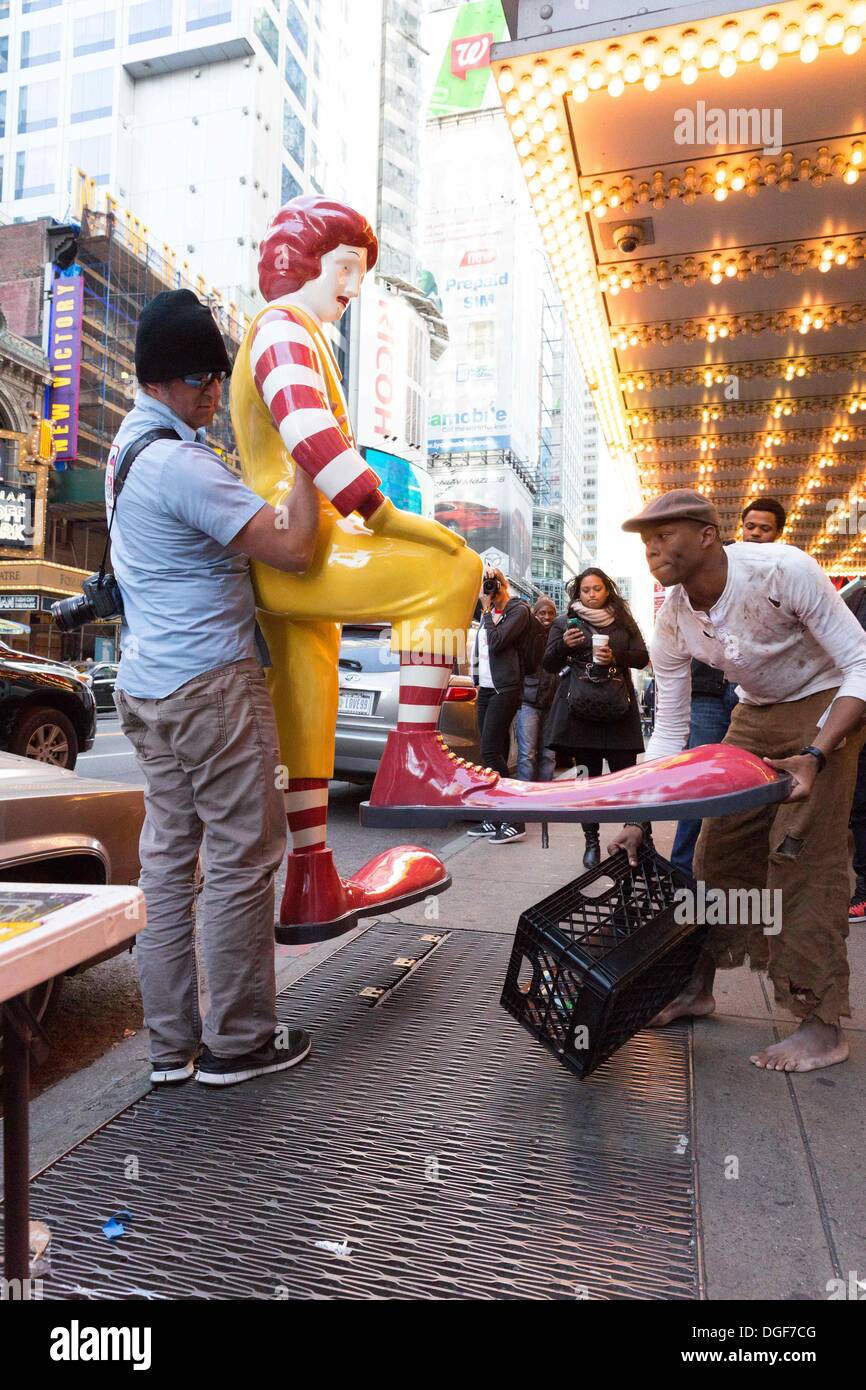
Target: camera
x=101, y=599
x=491, y=585
x=628, y=237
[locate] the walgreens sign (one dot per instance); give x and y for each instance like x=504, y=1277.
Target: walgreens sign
x=470, y=54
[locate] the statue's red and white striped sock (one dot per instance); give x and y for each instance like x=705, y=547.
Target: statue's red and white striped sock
x=423, y=683
x=307, y=812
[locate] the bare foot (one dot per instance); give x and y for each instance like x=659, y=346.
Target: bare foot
x=690, y=1004
x=813, y=1045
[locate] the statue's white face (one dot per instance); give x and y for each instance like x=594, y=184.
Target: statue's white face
x=339, y=282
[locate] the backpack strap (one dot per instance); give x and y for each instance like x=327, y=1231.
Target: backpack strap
x=121, y=473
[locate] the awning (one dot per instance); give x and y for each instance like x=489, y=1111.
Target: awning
x=698, y=187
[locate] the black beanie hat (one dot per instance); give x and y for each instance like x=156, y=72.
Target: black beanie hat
x=178, y=336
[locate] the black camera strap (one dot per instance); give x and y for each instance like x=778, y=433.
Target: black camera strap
x=121, y=473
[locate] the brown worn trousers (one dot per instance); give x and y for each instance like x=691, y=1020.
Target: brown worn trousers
x=801, y=849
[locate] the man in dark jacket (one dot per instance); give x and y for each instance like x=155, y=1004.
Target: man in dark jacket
x=497, y=669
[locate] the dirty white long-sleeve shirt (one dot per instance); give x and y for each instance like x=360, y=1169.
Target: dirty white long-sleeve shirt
x=780, y=631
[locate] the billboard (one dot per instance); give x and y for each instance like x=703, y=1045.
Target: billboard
x=460, y=40
x=489, y=506
x=395, y=351
x=469, y=256
x=17, y=506
x=64, y=357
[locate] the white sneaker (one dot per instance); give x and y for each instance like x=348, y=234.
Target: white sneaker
x=485, y=828
x=172, y=1076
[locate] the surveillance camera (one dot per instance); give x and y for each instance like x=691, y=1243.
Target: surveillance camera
x=629, y=237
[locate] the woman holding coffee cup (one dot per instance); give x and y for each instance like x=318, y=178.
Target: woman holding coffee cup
x=596, y=631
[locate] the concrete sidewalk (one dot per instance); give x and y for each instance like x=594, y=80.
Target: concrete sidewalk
x=782, y=1204
x=780, y=1168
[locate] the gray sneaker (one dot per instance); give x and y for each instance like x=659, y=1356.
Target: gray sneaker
x=229, y=1071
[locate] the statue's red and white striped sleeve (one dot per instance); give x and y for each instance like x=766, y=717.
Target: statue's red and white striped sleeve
x=289, y=380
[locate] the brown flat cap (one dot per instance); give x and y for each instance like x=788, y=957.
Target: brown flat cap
x=677, y=505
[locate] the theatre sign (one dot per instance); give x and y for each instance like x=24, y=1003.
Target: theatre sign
x=696, y=174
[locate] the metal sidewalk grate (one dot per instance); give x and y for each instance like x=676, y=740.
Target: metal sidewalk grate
x=430, y=1133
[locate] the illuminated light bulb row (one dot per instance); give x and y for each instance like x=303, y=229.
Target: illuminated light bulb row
x=821, y=318
x=686, y=53
x=776, y=409
x=720, y=374
x=719, y=178
x=832, y=253
x=747, y=439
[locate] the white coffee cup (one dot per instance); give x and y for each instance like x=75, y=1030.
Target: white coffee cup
x=598, y=642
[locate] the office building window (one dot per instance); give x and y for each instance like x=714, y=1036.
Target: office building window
x=4, y=9
x=93, y=33
x=92, y=94
x=268, y=34
x=296, y=78
x=34, y=172
x=4, y=54
x=297, y=26
x=201, y=13
x=150, y=20
x=31, y=6
x=1, y=178
x=2, y=114
x=37, y=107
x=294, y=135
x=290, y=187
x=40, y=46
x=93, y=156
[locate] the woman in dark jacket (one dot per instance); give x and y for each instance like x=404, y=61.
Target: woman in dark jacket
x=598, y=604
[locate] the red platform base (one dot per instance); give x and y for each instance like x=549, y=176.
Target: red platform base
x=318, y=905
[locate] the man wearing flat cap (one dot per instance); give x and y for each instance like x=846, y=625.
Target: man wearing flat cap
x=769, y=618
x=193, y=702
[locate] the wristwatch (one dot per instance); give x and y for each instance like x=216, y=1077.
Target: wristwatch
x=814, y=753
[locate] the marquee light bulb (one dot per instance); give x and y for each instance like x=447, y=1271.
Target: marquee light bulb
x=580, y=92
x=791, y=38
x=526, y=89
x=710, y=54
x=613, y=60
x=770, y=28
x=652, y=80
x=835, y=30
x=595, y=77
x=814, y=21
x=851, y=41
x=750, y=48
x=541, y=74
x=809, y=49
x=560, y=82
x=505, y=80
x=671, y=62
x=689, y=44
x=728, y=65
x=690, y=73
x=632, y=71
x=769, y=58
x=616, y=85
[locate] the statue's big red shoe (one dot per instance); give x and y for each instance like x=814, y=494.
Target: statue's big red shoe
x=421, y=782
x=318, y=905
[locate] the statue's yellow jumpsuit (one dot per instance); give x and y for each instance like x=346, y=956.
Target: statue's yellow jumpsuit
x=360, y=572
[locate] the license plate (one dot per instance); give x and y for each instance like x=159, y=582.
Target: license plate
x=356, y=701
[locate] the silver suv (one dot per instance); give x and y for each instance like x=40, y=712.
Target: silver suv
x=369, y=701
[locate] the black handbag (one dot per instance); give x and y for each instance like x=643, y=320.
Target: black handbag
x=599, y=694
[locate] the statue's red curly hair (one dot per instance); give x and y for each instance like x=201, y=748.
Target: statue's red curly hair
x=304, y=231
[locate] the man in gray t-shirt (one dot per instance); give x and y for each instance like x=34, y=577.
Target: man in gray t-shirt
x=193, y=702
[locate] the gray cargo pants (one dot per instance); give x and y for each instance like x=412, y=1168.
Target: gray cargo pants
x=209, y=754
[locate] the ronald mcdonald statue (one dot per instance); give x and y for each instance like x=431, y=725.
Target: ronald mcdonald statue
x=372, y=563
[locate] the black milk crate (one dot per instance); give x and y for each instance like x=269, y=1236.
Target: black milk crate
x=588, y=972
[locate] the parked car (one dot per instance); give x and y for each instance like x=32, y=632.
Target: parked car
x=369, y=701
x=102, y=678
x=47, y=709
x=57, y=827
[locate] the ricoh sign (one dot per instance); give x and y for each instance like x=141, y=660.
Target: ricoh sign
x=393, y=376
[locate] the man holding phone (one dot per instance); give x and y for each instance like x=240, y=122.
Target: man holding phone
x=497, y=669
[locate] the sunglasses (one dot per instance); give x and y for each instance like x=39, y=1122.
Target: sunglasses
x=202, y=380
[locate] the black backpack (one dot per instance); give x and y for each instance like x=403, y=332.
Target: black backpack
x=532, y=647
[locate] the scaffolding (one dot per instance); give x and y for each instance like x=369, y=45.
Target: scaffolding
x=122, y=271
